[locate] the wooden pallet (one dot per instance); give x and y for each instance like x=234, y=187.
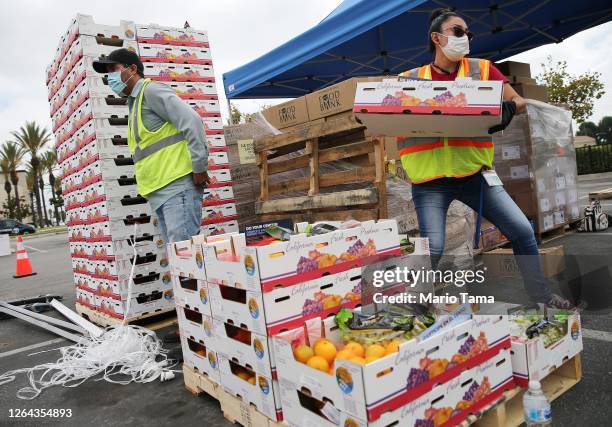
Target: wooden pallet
x=308, y=148
x=153, y=321
x=602, y=194
x=234, y=409
x=508, y=410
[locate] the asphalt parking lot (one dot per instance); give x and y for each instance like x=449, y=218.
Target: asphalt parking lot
x=99, y=403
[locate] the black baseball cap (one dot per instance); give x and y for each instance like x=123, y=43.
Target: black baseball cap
x=119, y=56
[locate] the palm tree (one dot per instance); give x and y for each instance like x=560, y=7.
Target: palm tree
x=49, y=162
x=31, y=184
x=33, y=139
x=5, y=170
x=14, y=155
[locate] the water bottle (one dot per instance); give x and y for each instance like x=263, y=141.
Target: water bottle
x=536, y=406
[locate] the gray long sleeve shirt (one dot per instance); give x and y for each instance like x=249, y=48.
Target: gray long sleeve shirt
x=160, y=104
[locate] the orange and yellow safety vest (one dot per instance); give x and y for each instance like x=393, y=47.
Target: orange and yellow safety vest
x=425, y=159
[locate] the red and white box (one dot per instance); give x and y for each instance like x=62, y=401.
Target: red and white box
x=124, y=249
x=206, y=108
x=192, y=294
x=121, y=229
x=84, y=24
x=219, y=178
x=115, y=168
x=174, y=54
x=78, y=233
x=106, y=210
x=218, y=160
x=195, y=90
x=95, y=47
x=218, y=196
x=143, y=284
x=422, y=108
x=368, y=391
x=261, y=391
x=110, y=190
x=179, y=72
x=286, y=308
x=219, y=228
x=229, y=261
x=196, y=325
x=139, y=306
x=532, y=360
x=237, y=342
x=86, y=298
x=199, y=356
x=213, y=125
x=120, y=269
x=220, y=213
x=216, y=142
x=109, y=148
x=100, y=129
x=186, y=258
x=155, y=34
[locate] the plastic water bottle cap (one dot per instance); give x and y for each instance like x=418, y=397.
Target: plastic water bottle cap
x=535, y=385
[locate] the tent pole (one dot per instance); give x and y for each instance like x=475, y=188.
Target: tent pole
x=229, y=110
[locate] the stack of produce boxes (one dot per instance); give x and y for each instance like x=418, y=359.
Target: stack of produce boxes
x=182, y=59
x=98, y=184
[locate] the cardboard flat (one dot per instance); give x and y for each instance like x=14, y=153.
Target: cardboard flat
x=501, y=262
x=513, y=68
x=429, y=109
x=531, y=91
x=287, y=114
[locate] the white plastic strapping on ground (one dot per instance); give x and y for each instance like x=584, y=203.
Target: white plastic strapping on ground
x=121, y=355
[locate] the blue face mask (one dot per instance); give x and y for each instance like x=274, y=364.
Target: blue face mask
x=116, y=84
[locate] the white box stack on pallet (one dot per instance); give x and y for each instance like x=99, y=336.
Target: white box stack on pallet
x=98, y=183
x=182, y=59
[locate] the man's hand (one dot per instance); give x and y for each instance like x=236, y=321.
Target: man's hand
x=200, y=179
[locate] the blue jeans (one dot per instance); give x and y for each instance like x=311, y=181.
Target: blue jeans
x=432, y=199
x=180, y=216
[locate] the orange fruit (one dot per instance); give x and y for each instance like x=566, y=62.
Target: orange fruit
x=371, y=359
x=393, y=347
x=244, y=375
x=376, y=350
x=344, y=354
x=319, y=363
x=358, y=360
x=252, y=380
x=325, y=349
x=355, y=348
x=302, y=353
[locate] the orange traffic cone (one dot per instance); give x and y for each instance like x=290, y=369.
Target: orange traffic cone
x=24, y=268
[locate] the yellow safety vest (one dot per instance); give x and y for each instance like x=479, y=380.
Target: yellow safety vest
x=160, y=157
x=426, y=159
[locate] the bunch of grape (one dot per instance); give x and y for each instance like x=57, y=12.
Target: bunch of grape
x=357, y=289
x=424, y=423
x=354, y=250
x=305, y=265
x=469, y=395
x=443, y=97
x=465, y=347
x=416, y=377
x=391, y=100
x=312, y=307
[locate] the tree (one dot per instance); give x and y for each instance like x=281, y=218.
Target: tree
x=31, y=185
x=587, y=129
x=14, y=154
x=49, y=162
x=6, y=170
x=578, y=92
x=14, y=208
x=604, y=130
x=33, y=139
x=235, y=116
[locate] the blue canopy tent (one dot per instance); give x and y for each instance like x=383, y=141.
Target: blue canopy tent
x=378, y=37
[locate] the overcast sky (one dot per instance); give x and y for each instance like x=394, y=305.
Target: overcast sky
x=239, y=30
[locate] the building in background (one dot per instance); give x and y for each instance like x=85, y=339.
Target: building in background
x=22, y=189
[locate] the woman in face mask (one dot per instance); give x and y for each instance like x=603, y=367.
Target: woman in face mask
x=447, y=169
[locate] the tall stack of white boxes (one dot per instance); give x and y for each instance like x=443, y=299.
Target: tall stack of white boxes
x=98, y=179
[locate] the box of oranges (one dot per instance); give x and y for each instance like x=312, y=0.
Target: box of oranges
x=229, y=261
x=367, y=381
x=200, y=355
x=244, y=381
x=288, y=307
x=196, y=325
x=191, y=293
x=186, y=258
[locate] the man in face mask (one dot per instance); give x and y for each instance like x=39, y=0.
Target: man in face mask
x=168, y=144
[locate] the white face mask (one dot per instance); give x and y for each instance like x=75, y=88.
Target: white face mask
x=456, y=47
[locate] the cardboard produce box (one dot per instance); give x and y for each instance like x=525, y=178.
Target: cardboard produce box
x=288, y=113
x=532, y=91
x=513, y=68
x=502, y=263
x=429, y=109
